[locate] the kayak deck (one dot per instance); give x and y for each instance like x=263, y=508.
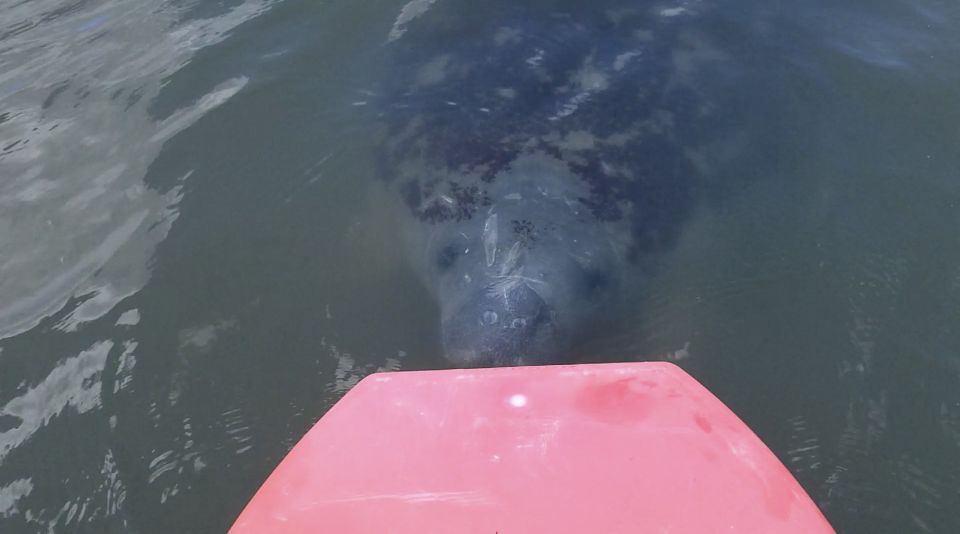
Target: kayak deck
x=600, y=448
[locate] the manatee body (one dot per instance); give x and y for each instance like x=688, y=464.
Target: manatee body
x=538, y=152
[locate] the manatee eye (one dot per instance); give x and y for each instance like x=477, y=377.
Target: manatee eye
x=447, y=257
x=595, y=280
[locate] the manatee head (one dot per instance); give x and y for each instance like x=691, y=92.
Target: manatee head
x=533, y=165
x=524, y=278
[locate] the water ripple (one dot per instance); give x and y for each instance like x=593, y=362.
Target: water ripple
x=77, y=140
x=74, y=383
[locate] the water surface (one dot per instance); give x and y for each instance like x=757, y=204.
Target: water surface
x=193, y=269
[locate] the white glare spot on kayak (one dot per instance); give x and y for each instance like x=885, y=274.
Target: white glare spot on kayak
x=518, y=401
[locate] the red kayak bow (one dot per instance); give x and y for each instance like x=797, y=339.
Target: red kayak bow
x=585, y=449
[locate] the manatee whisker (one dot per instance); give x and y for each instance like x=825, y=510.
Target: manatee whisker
x=503, y=285
x=511, y=261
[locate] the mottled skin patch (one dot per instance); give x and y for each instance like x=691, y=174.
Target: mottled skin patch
x=594, y=86
x=456, y=202
x=525, y=231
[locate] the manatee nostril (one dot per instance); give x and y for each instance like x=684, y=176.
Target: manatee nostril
x=490, y=317
x=518, y=323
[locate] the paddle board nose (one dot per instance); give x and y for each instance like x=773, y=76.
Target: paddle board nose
x=601, y=448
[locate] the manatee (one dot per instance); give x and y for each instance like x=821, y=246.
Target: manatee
x=539, y=152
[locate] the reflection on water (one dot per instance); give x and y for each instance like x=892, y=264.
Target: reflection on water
x=72, y=383
x=193, y=266
x=78, y=227
x=77, y=140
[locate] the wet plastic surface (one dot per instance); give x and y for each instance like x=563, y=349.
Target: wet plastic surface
x=604, y=448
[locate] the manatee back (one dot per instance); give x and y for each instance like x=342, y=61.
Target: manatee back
x=606, y=88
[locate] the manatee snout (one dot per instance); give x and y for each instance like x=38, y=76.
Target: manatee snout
x=505, y=323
